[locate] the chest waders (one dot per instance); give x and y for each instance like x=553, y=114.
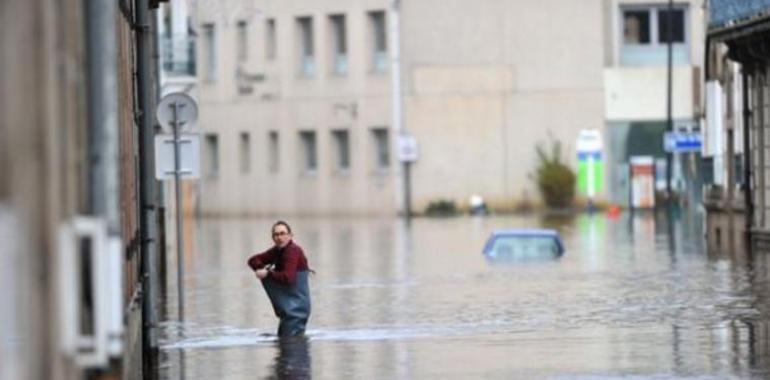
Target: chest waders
x=291, y=303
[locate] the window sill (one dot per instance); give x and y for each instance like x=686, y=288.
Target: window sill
x=341, y=173
x=309, y=174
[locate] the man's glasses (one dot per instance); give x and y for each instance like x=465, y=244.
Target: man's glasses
x=280, y=233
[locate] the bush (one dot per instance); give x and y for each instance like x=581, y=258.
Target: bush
x=441, y=207
x=555, y=180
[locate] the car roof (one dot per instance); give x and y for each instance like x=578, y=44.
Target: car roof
x=525, y=232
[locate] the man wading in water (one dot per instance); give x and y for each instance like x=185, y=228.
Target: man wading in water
x=284, y=272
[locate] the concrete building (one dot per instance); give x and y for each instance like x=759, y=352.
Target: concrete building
x=737, y=200
x=73, y=285
x=296, y=102
x=635, y=89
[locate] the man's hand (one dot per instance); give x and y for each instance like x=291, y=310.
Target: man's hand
x=261, y=273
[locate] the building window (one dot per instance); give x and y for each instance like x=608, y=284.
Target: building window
x=309, y=151
x=270, y=43
x=381, y=148
x=210, y=52
x=342, y=147
x=636, y=27
x=677, y=25
x=306, y=59
x=646, y=34
x=245, y=153
x=339, y=44
x=243, y=41
x=379, y=41
x=273, y=157
x=212, y=156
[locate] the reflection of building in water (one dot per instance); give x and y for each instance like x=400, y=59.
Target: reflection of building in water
x=295, y=97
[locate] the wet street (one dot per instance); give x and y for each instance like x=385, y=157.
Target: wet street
x=632, y=297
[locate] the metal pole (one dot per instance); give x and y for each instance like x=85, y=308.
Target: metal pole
x=669, y=121
x=148, y=184
x=160, y=272
x=748, y=201
x=179, y=229
x=396, y=99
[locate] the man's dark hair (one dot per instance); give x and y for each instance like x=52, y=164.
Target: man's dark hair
x=281, y=223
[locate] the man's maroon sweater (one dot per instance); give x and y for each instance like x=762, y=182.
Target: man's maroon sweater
x=287, y=260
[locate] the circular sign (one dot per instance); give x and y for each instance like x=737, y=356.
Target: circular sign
x=177, y=109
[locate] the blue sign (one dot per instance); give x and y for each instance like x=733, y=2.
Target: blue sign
x=676, y=142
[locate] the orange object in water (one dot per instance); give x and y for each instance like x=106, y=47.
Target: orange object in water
x=613, y=211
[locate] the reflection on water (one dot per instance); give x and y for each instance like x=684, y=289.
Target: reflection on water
x=634, y=295
x=292, y=362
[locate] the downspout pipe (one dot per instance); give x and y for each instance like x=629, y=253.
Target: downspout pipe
x=148, y=184
x=749, y=203
x=104, y=153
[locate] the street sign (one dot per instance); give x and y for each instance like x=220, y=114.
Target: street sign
x=681, y=141
x=407, y=148
x=589, y=154
x=177, y=107
x=189, y=160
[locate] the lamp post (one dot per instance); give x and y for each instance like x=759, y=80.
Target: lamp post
x=669, y=120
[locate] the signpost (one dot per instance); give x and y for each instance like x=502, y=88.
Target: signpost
x=589, y=155
x=178, y=112
x=681, y=141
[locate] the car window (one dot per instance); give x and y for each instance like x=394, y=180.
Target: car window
x=524, y=247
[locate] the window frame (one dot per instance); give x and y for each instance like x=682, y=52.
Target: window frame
x=381, y=150
x=242, y=41
x=342, y=151
x=273, y=152
x=210, y=52
x=306, y=50
x=338, y=44
x=378, y=59
x=649, y=54
x=271, y=43
x=309, y=151
x=212, y=155
x=244, y=152
x=654, y=23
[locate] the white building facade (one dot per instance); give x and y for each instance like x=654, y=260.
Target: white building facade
x=296, y=97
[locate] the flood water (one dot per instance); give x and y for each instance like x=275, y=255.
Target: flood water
x=634, y=297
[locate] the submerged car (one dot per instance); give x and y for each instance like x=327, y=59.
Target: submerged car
x=523, y=244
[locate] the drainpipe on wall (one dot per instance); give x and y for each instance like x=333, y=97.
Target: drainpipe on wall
x=104, y=154
x=397, y=105
x=148, y=184
x=747, y=156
